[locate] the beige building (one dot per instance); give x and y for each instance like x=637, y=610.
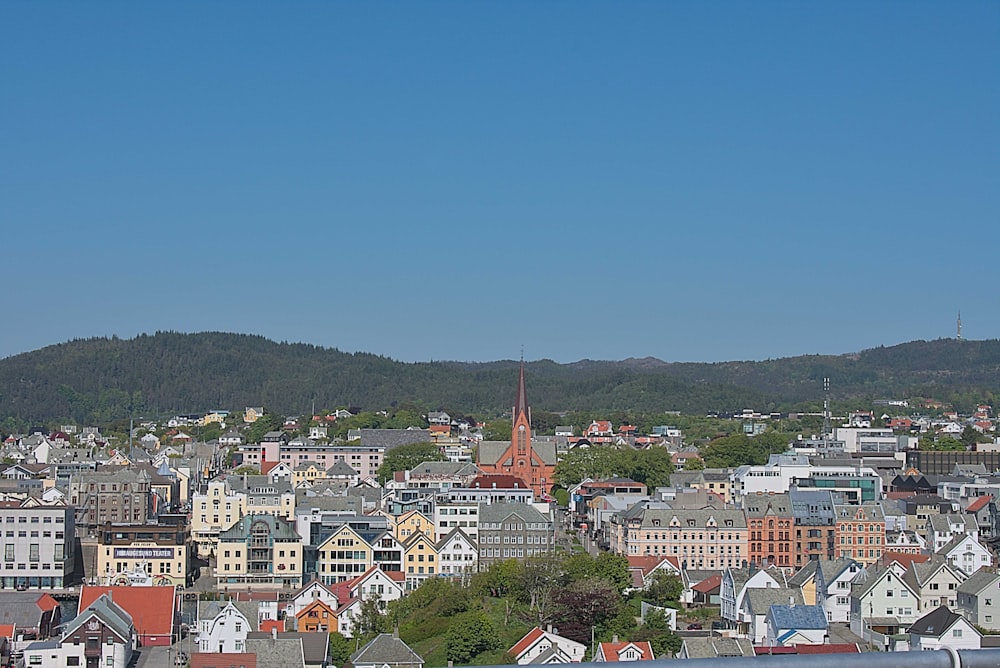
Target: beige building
x=259, y=552
x=699, y=539
x=159, y=550
x=228, y=498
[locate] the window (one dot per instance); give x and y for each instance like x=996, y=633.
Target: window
x=956, y=633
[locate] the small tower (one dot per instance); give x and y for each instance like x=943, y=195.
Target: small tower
x=958, y=334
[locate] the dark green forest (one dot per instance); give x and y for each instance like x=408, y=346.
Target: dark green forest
x=103, y=379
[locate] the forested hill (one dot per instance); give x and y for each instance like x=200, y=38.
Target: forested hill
x=95, y=380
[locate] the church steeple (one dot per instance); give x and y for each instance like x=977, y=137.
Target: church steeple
x=521, y=403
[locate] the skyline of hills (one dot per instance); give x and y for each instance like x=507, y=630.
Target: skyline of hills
x=167, y=372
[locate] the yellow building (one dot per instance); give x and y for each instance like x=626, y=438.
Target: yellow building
x=159, y=550
x=308, y=472
x=343, y=556
x=259, y=552
x=214, y=512
x=411, y=523
x=420, y=559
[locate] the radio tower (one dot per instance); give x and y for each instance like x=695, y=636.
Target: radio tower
x=826, y=412
x=958, y=334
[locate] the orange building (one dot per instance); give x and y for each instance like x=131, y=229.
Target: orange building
x=531, y=462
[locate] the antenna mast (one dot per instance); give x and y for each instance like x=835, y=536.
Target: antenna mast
x=826, y=413
x=958, y=334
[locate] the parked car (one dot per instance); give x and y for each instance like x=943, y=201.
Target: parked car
x=694, y=627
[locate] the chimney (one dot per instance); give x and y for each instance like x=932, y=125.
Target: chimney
x=791, y=601
x=614, y=638
x=549, y=628
x=274, y=634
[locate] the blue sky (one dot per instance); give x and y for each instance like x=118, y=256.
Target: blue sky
x=695, y=181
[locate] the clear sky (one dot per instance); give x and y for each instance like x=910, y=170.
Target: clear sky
x=695, y=181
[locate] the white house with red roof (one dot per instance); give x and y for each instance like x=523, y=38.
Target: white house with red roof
x=623, y=651
x=539, y=647
x=375, y=583
x=599, y=428
x=642, y=568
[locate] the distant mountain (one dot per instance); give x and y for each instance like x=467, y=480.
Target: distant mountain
x=95, y=380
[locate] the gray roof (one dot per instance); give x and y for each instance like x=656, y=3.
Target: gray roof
x=315, y=646
x=341, y=468
x=759, y=600
x=713, y=647
x=812, y=507
x=386, y=648
x=105, y=609
x=798, y=617
x=767, y=504
x=276, y=653
x=977, y=582
x=935, y=622
x=20, y=608
x=490, y=452
x=279, y=529
x=498, y=512
x=389, y=438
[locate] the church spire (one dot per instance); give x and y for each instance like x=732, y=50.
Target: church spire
x=521, y=404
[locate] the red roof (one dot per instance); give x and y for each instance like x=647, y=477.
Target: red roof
x=979, y=504
x=611, y=649
x=648, y=563
x=218, y=659
x=7, y=631
x=151, y=608
x=268, y=625
x=265, y=467
x=828, y=648
x=904, y=559
x=499, y=481
x=708, y=584
x=522, y=645
x=46, y=603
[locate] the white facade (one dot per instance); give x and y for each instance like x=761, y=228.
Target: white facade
x=226, y=632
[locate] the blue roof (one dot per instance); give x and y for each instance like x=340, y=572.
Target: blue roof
x=798, y=617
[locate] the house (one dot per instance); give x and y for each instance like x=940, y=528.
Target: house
x=623, y=651
x=828, y=583
x=979, y=600
x=599, y=428
x=153, y=610
x=102, y=634
x=966, y=554
x=644, y=568
x=458, y=554
x=797, y=625
x=757, y=604
x=884, y=602
x=539, y=647
x=941, y=628
x=386, y=651
x=314, y=590
x=735, y=583
x=935, y=582
x=317, y=617
x=375, y=583
x=226, y=630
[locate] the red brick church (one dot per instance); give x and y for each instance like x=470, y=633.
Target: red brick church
x=531, y=462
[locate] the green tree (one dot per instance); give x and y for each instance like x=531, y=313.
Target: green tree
x=265, y=423
x=470, y=634
x=406, y=457
x=656, y=630
x=371, y=619
x=664, y=589
x=651, y=467
x=340, y=649
x=246, y=469
x=497, y=430
x=694, y=465
x=941, y=443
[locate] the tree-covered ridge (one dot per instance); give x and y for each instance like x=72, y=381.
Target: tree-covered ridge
x=102, y=379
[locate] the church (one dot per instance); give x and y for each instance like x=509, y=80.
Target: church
x=531, y=462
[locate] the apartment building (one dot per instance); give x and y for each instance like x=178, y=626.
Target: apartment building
x=38, y=544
